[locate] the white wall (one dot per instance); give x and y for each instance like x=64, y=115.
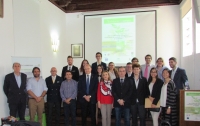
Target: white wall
x=190, y=63
x=25, y=31
x=27, y=26
x=6, y=50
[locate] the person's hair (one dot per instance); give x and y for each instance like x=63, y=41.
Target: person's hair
x=148, y=55
x=129, y=63
x=121, y=68
x=69, y=57
x=82, y=67
x=98, y=53
x=88, y=65
x=150, y=77
x=16, y=63
x=166, y=69
x=68, y=71
x=135, y=66
x=135, y=58
x=173, y=58
x=35, y=69
x=160, y=58
x=114, y=69
x=101, y=68
x=108, y=76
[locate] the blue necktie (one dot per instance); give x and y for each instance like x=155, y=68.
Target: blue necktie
x=87, y=84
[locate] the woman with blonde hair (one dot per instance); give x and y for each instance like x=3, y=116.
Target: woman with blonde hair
x=112, y=71
x=105, y=98
x=160, y=66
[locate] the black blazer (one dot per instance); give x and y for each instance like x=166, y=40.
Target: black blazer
x=141, y=92
x=74, y=70
x=126, y=75
x=94, y=67
x=122, y=91
x=53, y=92
x=12, y=91
x=156, y=91
x=92, y=89
x=180, y=78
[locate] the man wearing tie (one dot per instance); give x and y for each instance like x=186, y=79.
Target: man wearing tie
x=72, y=68
x=99, y=62
x=53, y=83
x=15, y=89
x=122, y=90
x=147, y=66
x=87, y=87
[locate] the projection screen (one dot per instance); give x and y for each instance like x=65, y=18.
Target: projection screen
x=120, y=36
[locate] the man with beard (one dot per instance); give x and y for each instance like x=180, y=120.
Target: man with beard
x=37, y=89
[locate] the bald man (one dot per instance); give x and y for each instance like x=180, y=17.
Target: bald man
x=15, y=89
x=53, y=96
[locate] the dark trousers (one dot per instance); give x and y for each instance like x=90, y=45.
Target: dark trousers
x=17, y=108
x=92, y=108
x=70, y=109
x=118, y=113
x=50, y=106
x=138, y=109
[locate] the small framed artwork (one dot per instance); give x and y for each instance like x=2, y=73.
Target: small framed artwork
x=77, y=50
x=1, y=8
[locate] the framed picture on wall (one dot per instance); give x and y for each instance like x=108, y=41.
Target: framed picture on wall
x=77, y=50
x=1, y=8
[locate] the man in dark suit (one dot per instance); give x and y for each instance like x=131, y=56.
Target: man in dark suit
x=140, y=92
x=122, y=90
x=95, y=64
x=53, y=83
x=15, y=90
x=178, y=75
x=129, y=71
x=72, y=68
x=87, y=87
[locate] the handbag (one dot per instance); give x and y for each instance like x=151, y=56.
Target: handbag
x=154, y=109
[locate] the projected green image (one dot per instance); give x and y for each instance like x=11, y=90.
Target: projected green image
x=118, y=38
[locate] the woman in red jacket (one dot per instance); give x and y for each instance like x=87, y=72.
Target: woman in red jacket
x=105, y=98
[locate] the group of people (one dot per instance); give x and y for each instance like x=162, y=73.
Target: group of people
x=96, y=86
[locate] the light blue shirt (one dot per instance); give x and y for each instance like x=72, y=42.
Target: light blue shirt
x=37, y=87
x=18, y=79
x=160, y=72
x=173, y=72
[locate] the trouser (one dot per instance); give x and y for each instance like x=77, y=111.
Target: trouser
x=36, y=107
x=17, y=108
x=138, y=109
x=92, y=109
x=70, y=109
x=50, y=109
x=155, y=116
x=118, y=112
x=106, y=110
